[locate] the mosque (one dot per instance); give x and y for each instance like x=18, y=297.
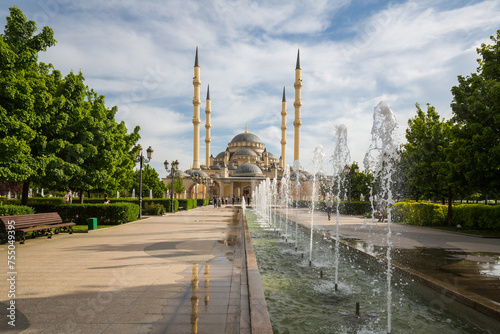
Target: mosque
x=246, y=162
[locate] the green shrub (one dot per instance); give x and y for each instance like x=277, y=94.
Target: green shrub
x=106, y=214
x=477, y=216
x=165, y=202
x=187, y=203
x=355, y=208
x=420, y=213
x=154, y=209
x=14, y=210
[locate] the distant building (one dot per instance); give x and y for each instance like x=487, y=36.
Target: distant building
x=236, y=171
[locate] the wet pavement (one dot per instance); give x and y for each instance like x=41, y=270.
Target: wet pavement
x=180, y=273
x=463, y=267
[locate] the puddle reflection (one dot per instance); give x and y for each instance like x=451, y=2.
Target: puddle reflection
x=195, y=293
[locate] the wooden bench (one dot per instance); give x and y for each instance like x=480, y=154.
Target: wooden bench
x=37, y=224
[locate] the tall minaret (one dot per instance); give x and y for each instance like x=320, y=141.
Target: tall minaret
x=297, y=104
x=208, y=111
x=283, y=131
x=196, y=117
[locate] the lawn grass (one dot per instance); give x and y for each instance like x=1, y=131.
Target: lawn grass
x=85, y=227
x=481, y=233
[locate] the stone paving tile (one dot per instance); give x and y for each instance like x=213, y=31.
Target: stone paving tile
x=161, y=275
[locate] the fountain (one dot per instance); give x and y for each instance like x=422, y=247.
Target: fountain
x=341, y=157
x=296, y=169
x=298, y=302
x=379, y=159
x=133, y=193
x=317, y=161
x=285, y=197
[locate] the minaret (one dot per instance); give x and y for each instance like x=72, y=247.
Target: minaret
x=208, y=111
x=196, y=117
x=283, y=131
x=297, y=104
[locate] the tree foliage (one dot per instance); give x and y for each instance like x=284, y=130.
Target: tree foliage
x=476, y=112
x=425, y=154
x=150, y=181
x=55, y=130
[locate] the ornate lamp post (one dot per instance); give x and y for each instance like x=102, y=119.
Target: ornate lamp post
x=173, y=173
x=142, y=160
x=350, y=173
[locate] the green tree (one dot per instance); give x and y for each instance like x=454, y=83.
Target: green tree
x=22, y=94
x=57, y=132
x=179, y=185
x=361, y=183
x=425, y=154
x=150, y=181
x=476, y=111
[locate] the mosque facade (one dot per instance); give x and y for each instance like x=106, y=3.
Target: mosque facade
x=235, y=172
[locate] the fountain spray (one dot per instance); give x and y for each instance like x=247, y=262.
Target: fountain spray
x=341, y=157
x=380, y=158
x=296, y=169
x=317, y=161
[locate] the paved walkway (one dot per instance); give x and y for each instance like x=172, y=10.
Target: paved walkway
x=466, y=268
x=177, y=274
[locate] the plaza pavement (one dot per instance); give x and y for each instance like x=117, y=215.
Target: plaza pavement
x=180, y=273
x=461, y=267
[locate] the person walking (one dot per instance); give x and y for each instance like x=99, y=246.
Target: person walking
x=329, y=207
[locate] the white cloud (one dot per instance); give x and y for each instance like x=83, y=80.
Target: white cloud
x=140, y=54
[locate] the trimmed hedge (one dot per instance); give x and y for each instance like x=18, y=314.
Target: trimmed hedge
x=37, y=200
x=165, y=202
x=14, y=210
x=477, y=216
x=187, y=203
x=420, y=213
x=355, y=208
x=155, y=209
x=106, y=214
x=203, y=202
x=469, y=216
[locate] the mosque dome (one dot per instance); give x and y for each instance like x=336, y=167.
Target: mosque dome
x=232, y=167
x=199, y=173
x=246, y=137
x=221, y=155
x=248, y=169
x=300, y=175
x=246, y=151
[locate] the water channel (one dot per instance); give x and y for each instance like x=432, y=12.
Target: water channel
x=302, y=298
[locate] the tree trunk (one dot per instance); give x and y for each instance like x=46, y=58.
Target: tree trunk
x=26, y=189
x=449, y=206
x=81, y=191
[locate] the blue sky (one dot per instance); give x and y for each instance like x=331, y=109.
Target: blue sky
x=354, y=54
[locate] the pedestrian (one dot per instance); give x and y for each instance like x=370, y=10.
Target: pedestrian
x=68, y=197
x=329, y=207
x=215, y=201
x=381, y=210
x=106, y=199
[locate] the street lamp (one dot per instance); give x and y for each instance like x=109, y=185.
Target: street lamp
x=173, y=170
x=142, y=160
x=350, y=173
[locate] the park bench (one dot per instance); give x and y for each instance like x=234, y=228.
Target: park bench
x=37, y=224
